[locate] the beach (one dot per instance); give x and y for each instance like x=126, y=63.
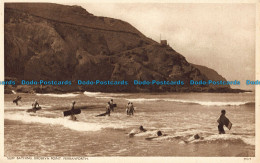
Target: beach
x=179, y=116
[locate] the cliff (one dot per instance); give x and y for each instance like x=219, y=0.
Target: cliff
x=55, y=42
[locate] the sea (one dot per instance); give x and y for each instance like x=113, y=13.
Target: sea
x=179, y=116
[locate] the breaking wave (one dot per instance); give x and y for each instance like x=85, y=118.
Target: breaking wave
x=78, y=126
x=204, y=103
x=65, y=122
x=144, y=99
x=211, y=103
x=58, y=95
x=92, y=94
x=189, y=139
x=229, y=138
x=103, y=95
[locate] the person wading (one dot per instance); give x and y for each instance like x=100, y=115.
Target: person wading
x=127, y=108
x=18, y=98
x=72, y=116
x=111, y=105
x=108, y=109
x=34, y=105
x=131, y=109
x=223, y=120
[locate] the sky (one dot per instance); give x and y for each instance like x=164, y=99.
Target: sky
x=219, y=36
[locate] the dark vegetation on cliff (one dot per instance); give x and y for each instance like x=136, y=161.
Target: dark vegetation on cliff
x=55, y=42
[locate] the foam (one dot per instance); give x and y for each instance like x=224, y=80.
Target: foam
x=229, y=137
x=210, y=103
x=250, y=140
x=103, y=95
x=58, y=95
x=92, y=94
x=24, y=107
x=65, y=122
x=204, y=103
x=143, y=99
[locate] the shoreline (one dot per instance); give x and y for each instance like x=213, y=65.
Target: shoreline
x=73, y=89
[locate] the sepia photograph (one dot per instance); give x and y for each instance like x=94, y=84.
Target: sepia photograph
x=129, y=79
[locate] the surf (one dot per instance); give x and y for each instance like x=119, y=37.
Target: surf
x=92, y=94
x=229, y=138
x=195, y=102
x=65, y=122
x=103, y=95
x=188, y=138
x=59, y=95
x=144, y=99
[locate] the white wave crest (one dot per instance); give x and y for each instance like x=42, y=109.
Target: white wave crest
x=103, y=95
x=229, y=137
x=144, y=99
x=204, y=103
x=205, y=137
x=74, y=125
x=19, y=107
x=92, y=94
x=106, y=97
x=210, y=103
x=58, y=95
x=65, y=122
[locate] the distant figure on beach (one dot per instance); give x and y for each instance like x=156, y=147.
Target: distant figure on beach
x=111, y=105
x=127, y=108
x=18, y=98
x=223, y=120
x=130, y=108
x=108, y=109
x=35, y=104
x=72, y=116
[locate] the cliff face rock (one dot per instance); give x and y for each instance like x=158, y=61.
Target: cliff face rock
x=56, y=42
x=209, y=73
